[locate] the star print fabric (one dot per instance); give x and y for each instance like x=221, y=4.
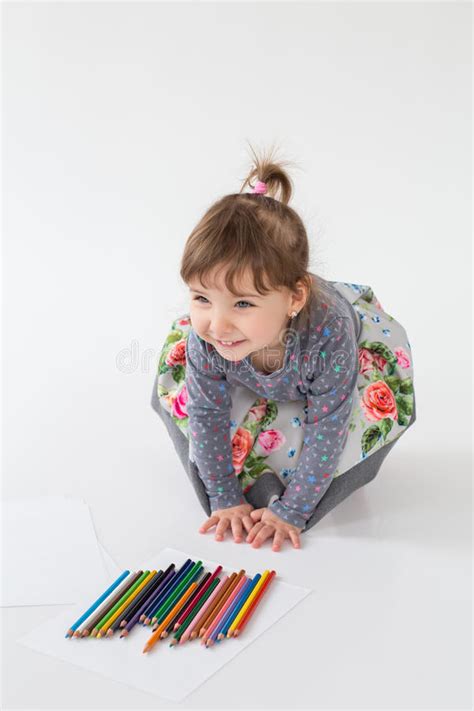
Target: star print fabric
x=209, y=406
x=329, y=384
x=320, y=367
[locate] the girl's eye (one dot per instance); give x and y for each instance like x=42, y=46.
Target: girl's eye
x=247, y=303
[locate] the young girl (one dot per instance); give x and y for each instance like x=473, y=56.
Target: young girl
x=263, y=331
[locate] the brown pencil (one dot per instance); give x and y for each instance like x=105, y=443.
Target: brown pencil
x=95, y=628
x=218, y=606
x=205, y=613
x=90, y=624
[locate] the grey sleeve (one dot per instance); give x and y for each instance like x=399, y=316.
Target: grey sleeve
x=209, y=407
x=330, y=379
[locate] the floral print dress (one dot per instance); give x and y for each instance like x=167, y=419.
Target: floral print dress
x=268, y=436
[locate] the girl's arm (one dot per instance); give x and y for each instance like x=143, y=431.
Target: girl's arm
x=209, y=408
x=330, y=383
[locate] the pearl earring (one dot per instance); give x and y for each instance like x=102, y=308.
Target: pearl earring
x=293, y=314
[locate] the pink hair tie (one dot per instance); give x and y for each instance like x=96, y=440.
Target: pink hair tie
x=260, y=188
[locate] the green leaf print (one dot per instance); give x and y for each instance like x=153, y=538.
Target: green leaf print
x=406, y=386
x=370, y=438
x=368, y=295
x=162, y=390
x=404, y=404
x=270, y=414
x=385, y=426
x=178, y=373
x=174, y=336
x=182, y=422
x=383, y=350
x=393, y=383
x=256, y=470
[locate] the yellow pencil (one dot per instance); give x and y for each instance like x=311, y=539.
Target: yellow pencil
x=124, y=605
x=248, y=603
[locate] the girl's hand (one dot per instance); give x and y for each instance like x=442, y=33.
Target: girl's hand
x=266, y=524
x=235, y=517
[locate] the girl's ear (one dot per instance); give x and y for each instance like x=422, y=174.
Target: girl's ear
x=300, y=296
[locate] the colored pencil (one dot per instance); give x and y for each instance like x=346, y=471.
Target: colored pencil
x=176, y=593
x=252, y=609
x=89, y=623
x=170, y=575
x=202, y=612
x=168, y=589
x=96, y=604
x=201, y=592
x=130, y=583
x=139, y=613
x=226, y=606
x=145, y=595
x=201, y=583
x=219, y=605
x=179, y=605
x=129, y=604
x=193, y=578
x=230, y=628
x=129, y=592
x=134, y=591
x=241, y=601
x=193, y=612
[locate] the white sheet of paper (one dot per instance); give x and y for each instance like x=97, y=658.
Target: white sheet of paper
x=113, y=570
x=50, y=551
x=171, y=673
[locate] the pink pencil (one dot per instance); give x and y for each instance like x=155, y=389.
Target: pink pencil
x=225, y=609
x=199, y=617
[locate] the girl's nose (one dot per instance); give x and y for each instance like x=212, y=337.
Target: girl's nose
x=222, y=329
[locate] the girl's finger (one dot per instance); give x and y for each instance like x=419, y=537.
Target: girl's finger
x=256, y=514
x=236, y=524
x=295, y=538
x=248, y=523
x=263, y=534
x=255, y=529
x=278, y=539
x=209, y=524
x=222, y=526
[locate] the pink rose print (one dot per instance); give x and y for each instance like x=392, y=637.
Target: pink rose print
x=257, y=413
x=271, y=440
x=368, y=361
x=177, y=355
x=178, y=405
x=403, y=358
x=242, y=442
x=378, y=402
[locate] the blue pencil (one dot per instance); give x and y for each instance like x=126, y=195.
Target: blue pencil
x=96, y=604
x=239, y=603
x=169, y=589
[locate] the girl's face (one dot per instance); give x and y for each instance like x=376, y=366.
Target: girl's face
x=239, y=325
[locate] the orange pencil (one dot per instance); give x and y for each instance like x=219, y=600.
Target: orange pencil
x=225, y=608
x=156, y=634
x=254, y=604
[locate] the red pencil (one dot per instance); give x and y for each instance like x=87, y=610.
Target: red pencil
x=253, y=605
x=196, y=599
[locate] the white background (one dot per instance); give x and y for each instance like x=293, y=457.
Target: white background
x=122, y=123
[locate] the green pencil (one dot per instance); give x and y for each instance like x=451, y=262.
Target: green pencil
x=170, y=601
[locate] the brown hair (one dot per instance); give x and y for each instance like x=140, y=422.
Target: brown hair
x=256, y=231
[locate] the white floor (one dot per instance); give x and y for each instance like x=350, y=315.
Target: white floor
x=388, y=625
